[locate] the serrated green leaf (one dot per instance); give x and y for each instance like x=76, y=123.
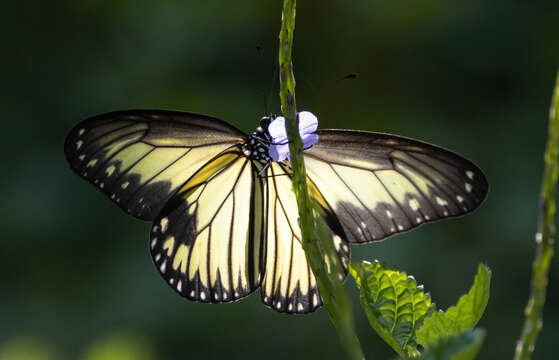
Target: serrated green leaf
x=463, y=316
x=394, y=304
x=461, y=346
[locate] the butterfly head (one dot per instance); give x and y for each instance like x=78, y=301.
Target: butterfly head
x=264, y=123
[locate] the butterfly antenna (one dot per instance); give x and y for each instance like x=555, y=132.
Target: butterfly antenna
x=263, y=81
x=273, y=85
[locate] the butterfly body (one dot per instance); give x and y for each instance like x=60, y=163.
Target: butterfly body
x=258, y=144
x=224, y=218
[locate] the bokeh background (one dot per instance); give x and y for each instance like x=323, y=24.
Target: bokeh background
x=77, y=280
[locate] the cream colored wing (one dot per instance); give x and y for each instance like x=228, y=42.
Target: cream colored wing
x=379, y=184
x=206, y=242
x=288, y=284
x=139, y=158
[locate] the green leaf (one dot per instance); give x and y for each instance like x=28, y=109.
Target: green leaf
x=461, y=346
x=463, y=316
x=394, y=304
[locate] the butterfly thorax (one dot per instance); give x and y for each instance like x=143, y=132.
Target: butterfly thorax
x=258, y=144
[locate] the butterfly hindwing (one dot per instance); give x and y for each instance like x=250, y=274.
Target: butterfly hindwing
x=380, y=184
x=288, y=284
x=206, y=242
x=139, y=158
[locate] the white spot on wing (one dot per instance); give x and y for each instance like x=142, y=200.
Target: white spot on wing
x=80, y=133
x=290, y=307
x=92, y=163
x=81, y=157
x=337, y=242
x=157, y=257
x=470, y=174
x=459, y=198
x=203, y=295
x=468, y=187
x=153, y=242
x=441, y=201
x=179, y=286
x=300, y=307
x=164, y=223
x=124, y=185
x=314, y=300
x=163, y=267
x=389, y=214
x=192, y=293
x=110, y=170
x=79, y=144
x=414, y=204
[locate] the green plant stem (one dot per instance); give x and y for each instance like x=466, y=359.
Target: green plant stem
x=316, y=238
x=544, y=238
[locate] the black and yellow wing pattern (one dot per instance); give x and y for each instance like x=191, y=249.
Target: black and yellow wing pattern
x=380, y=184
x=207, y=241
x=139, y=158
x=226, y=224
x=228, y=231
x=289, y=284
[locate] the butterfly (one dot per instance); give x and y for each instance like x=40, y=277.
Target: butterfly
x=224, y=218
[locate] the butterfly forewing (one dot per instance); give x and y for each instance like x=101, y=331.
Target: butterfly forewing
x=139, y=158
x=379, y=184
x=206, y=242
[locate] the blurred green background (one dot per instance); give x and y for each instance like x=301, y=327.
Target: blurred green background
x=77, y=278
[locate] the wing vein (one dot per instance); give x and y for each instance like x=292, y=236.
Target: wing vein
x=449, y=178
x=394, y=199
x=148, y=181
x=360, y=201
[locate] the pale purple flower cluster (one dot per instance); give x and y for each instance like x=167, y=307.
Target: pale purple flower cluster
x=279, y=149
